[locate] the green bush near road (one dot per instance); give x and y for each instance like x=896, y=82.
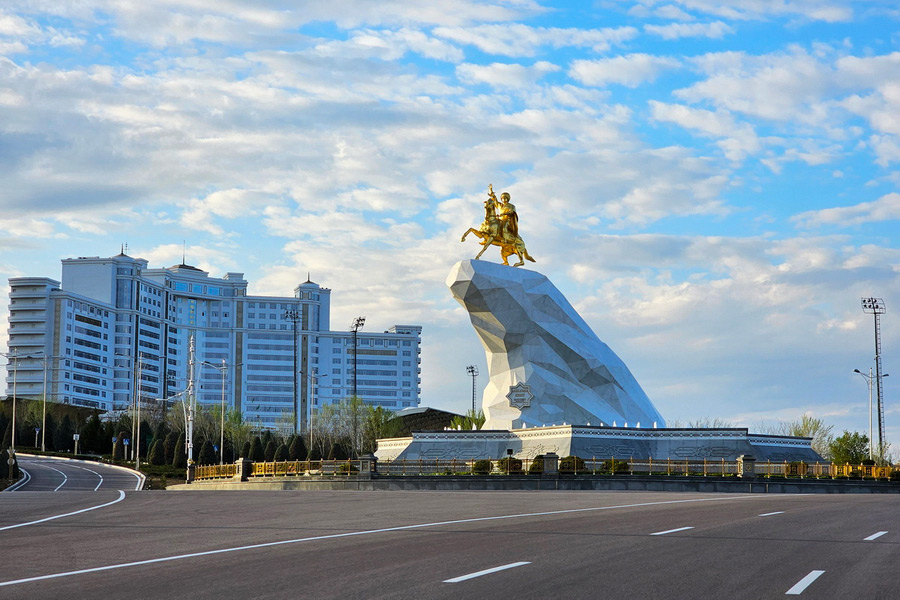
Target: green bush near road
x=571, y=464
x=510, y=466
x=612, y=466
x=481, y=466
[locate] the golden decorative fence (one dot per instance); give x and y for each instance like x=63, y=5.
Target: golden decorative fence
x=566, y=466
x=215, y=471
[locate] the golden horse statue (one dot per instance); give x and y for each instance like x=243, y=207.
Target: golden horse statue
x=500, y=230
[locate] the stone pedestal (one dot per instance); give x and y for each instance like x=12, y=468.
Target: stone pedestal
x=551, y=466
x=243, y=470
x=368, y=466
x=546, y=365
x=745, y=466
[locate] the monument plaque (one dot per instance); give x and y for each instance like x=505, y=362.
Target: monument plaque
x=520, y=395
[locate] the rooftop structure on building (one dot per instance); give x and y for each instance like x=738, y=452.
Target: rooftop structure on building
x=115, y=330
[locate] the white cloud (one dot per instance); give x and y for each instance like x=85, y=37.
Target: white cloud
x=630, y=70
x=391, y=45
x=830, y=11
x=521, y=40
x=674, y=31
x=501, y=75
x=737, y=140
x=886, y=208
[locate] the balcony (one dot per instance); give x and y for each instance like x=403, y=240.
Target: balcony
x=33, y=316
x=28, y=292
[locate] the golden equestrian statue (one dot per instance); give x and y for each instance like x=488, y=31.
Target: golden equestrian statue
x=500, y=228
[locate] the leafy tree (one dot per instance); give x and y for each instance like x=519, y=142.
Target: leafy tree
x=271, y=447
x=471, y=420
x=257, y=453
x=7, y=436
x=850, y=448
x=119, y=447
x=207, y=454
x=809, y=426
x=338, y=452
x=92, y=438
x=179, y=458
x=158, y=453
x=281, y=453
x=297, y=450
x=169, y=445
x=378, y=423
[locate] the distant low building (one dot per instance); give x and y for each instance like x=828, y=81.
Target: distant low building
x=114, y=330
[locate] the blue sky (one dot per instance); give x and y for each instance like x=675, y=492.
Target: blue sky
x=712, y=183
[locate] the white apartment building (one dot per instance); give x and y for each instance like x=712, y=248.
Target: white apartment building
x=114, y=330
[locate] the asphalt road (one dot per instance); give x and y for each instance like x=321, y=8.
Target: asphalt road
x=44, y=474
x=290, y=544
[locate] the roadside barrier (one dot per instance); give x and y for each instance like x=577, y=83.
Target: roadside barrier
x=367, y=466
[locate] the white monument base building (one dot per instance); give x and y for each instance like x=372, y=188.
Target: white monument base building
x=599, y=443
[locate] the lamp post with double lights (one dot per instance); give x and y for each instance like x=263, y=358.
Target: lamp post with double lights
x=223, y=369
x=46, y=359
x=14, y=357
x=869, y=378
x=314, y=379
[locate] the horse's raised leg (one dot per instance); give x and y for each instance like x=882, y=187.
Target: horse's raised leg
x=470, y=230
x=486, y=244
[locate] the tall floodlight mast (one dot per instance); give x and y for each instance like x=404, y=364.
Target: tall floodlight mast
x=875, y=306
x=472, y=370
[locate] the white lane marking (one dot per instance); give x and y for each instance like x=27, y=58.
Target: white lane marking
x=671, y=531
x=92, y=471
x=140, y=476
x=803, y=583
x=874, y=536
x=65, y=477
x=364, y=532
x=77, y=512
x=778, y=512
x=486, y=572
x=20, y=482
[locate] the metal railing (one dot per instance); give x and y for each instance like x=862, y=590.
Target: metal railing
x=534, y=466
x=307, y=468
x=215, y=471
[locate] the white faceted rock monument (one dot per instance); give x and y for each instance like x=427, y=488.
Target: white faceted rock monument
x=546, y=365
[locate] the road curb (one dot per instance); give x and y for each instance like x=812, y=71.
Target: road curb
x=141, y=477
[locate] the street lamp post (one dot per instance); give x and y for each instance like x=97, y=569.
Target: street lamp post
x=869, y=379
x=294, y=316
x=314, y=378
x=357, y=324
x=44, y=409
x=223, y=368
